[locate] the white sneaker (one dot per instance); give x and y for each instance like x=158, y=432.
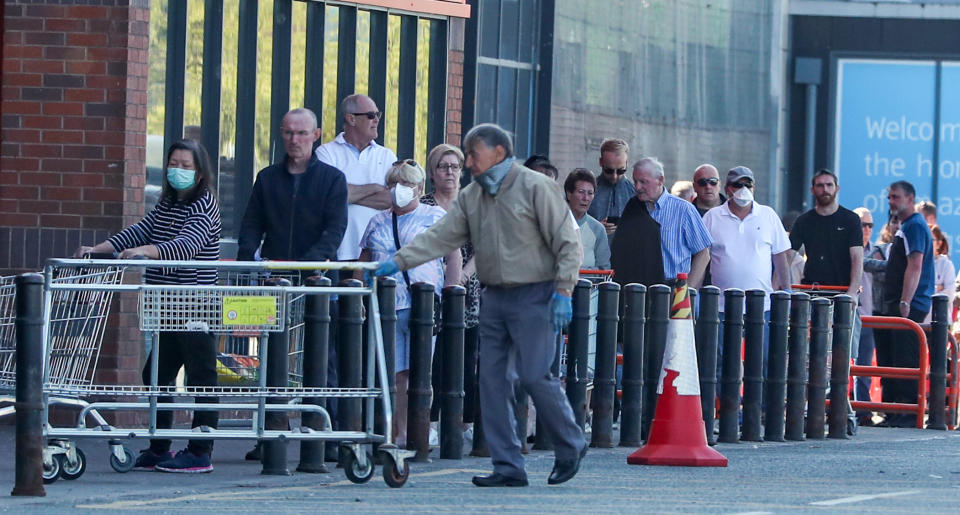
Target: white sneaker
x=468, y=434
x=434, y=438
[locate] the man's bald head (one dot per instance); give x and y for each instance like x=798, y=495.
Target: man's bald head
x=706, y=183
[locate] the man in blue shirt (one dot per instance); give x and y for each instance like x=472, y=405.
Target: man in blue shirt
x=907, y=292
x=664, y=235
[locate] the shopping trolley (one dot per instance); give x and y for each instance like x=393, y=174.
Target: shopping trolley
x=596, y=277
x=77, y=320
x=227, y=309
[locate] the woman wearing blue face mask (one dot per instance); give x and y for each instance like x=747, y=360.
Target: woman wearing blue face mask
x=184, y=226
x=387, y=231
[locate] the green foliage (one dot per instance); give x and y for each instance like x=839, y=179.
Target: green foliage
x=228, y=100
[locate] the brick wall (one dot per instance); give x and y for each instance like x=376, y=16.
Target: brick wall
x=74, y=125
x=73, y=141
x=455, y=81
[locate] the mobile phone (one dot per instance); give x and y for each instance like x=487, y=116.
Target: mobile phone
x=613, y=220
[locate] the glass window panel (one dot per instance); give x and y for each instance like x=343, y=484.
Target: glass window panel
x=507, y=98
x=529, y=30
x=524, y=132
x=486, y=107
x=510, y=29
x=489, y=30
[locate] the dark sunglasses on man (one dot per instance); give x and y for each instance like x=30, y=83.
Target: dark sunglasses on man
x=618, y=171
x=742, y=184
x=371, y=115
x=713, y=181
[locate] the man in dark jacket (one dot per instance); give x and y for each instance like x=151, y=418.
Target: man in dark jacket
x=297, y=212
x=298, y=208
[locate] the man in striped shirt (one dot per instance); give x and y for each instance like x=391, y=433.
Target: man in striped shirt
x=654, y=220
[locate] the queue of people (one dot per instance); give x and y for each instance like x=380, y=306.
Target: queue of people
x=516, y=240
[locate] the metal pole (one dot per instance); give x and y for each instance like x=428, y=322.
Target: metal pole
x=776, y=382
x=605, y=366
x=274, y=457
x=809, y=140
x=654, y=345
x=938, y=362
x=798, y=348
x=350, y=357
x=843, y=307
x=28, y=465
x=316, y=337
x=730, y=372
x=817, y=387
x=634, y=320
x=577, y=352
x=708, y=323
x=451, y=407
x=421, y=358
x=753, y=366
x=387, y=300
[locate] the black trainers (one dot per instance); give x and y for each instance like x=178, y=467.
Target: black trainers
x=186, y=462
x=148, y=460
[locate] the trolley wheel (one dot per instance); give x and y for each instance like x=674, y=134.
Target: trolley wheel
x=51, y=471
x=75, y=471
x=124, y=466
x=352, y=468
x=390, y=475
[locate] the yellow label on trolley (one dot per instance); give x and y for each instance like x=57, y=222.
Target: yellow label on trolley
x=249, y=310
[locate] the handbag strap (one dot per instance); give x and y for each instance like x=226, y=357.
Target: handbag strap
x=396, y=241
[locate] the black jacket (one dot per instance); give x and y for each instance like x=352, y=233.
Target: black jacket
x=302, y=223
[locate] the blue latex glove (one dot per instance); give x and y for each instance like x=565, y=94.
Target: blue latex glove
x=561, y=309
x=387, y=268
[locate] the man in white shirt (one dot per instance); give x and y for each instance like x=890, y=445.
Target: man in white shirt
x=749, y=249
x=364, y=163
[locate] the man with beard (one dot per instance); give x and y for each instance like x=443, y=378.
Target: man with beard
x=833, y=239
x=907, y=292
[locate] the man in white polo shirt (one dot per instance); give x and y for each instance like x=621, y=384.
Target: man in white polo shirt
x=364, y=163
x=749, y=245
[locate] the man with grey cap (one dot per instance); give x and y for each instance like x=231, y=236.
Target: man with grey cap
x=750, y=246
x=527, y=255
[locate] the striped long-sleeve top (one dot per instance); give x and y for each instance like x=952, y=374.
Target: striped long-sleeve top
x=180, y=232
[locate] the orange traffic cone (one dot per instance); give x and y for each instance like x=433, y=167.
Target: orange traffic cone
x=677, y=435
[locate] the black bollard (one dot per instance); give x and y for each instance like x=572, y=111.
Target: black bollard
x=350, y=358
x=421, y=359
x=387, y=301
x=316, y=335
x=730, y=373
x=655, y=342
x=776, y=383
x=817, y=387
x=274, y=452
x=938, y=362
x=451, y=371
x=577, y=378
x=634, y=320
x=843, y=307
x=753, y=323
x=798, y=347
x=706, y=329
x=28, y=465
x=605, y=365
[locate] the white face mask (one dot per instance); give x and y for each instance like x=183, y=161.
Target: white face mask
x=402, y=195
x=743, y=197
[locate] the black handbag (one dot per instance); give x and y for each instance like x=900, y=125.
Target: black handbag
x=437, y=320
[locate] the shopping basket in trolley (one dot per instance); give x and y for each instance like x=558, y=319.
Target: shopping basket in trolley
x=76, y=323
x=238, y=309
x=596, y=277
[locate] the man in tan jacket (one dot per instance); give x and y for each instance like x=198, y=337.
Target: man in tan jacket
x=528, y=255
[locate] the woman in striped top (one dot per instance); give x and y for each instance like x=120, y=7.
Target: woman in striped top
x=185, y=225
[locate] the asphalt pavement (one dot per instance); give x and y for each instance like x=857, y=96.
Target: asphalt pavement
x=879, y=470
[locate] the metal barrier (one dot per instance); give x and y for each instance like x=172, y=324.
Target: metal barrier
x=752, y=403
x=707, y=327
x=451, y=385
x=224, y=309
x=730, y=372
x=634, y=298
x=605, y=368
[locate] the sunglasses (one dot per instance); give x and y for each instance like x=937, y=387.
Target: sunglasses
x=713, y=181
x=738, y=185
x=371, y=115
x=618, y=171
x=867, y=225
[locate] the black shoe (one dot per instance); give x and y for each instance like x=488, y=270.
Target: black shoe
x=253, y=454
x=497, y=479
x=564, y=470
